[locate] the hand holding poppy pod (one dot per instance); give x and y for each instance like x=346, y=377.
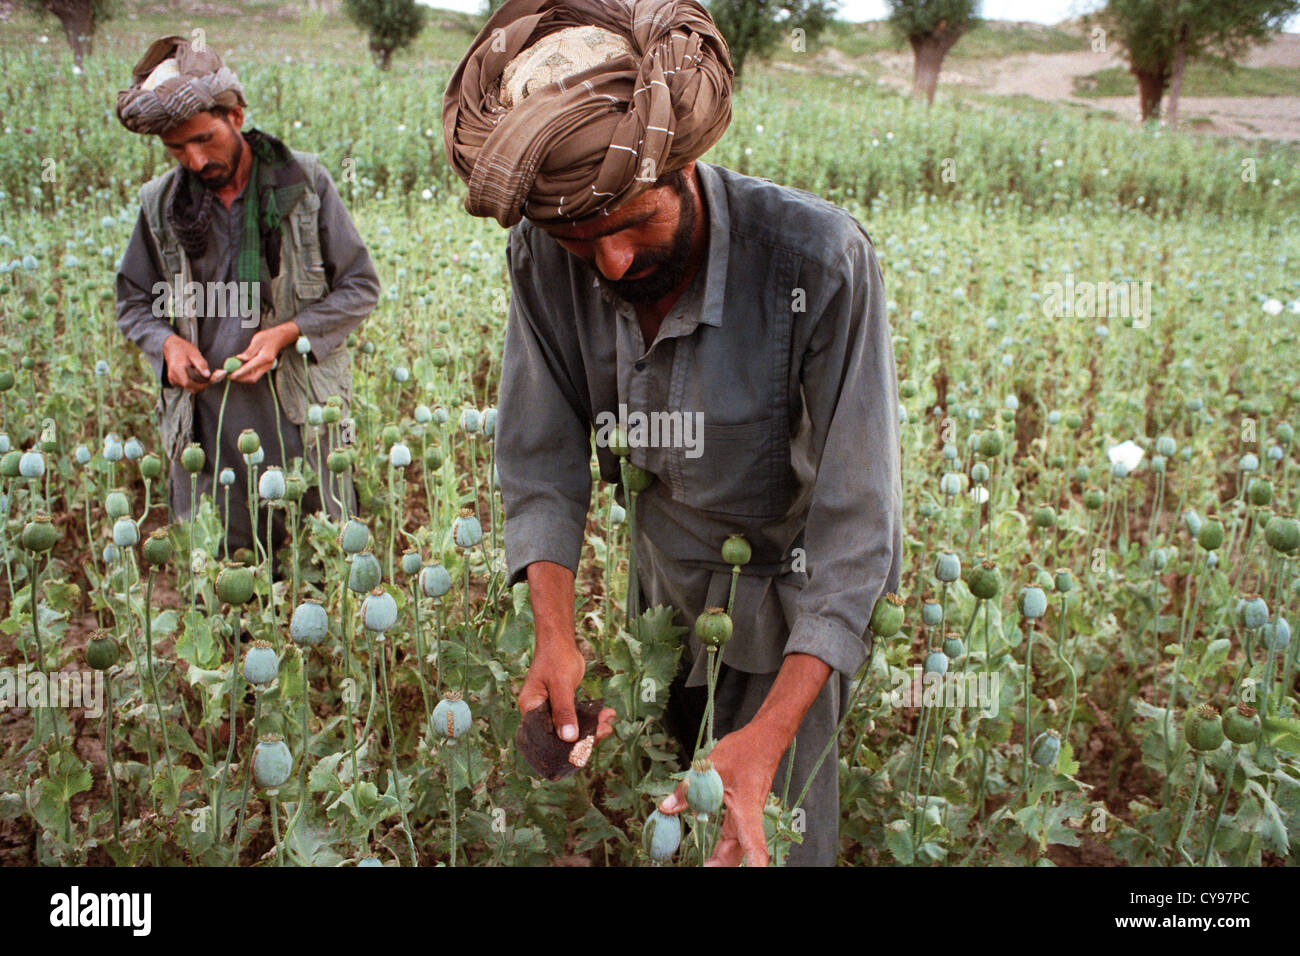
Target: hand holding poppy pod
x=262, y=352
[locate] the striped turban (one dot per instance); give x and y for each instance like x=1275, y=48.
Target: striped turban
x=174, y=82
x=563, y=109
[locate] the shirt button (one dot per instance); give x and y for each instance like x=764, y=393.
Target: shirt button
x=640, y=366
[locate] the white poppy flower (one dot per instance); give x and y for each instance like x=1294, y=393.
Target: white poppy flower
x=1128, y=453
x=1272, y=306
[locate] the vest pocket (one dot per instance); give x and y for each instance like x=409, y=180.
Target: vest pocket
x=734, y=474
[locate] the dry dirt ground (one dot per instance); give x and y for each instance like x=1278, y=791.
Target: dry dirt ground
x=1050, y=76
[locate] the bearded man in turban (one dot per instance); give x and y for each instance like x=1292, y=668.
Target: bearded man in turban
x=648, y=283
x=242, y=251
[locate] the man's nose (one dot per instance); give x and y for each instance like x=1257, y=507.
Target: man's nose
x=613, y=257
x=194, y=159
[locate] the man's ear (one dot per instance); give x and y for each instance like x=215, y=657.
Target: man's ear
x=236, y=118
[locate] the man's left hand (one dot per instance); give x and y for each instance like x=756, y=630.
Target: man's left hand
x=745, y=761
x=263, y=350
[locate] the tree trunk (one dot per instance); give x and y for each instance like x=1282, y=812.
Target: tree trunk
x=78, y=21
x=1176, y=78
x=383, y=55
x=1151, y=86
x=928, y=51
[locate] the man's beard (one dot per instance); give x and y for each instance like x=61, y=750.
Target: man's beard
x=671, y=264
x=232, y=164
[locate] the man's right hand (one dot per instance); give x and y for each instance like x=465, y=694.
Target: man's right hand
x=558, y=666
x=186, y=367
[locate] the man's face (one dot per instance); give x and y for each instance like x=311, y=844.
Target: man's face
x=208, y=145
x=642, y=248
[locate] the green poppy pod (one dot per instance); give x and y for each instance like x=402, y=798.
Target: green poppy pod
x=1093, y=499
x=979, y=473
x=936, y=662
x=931, y=613
x=451, y=718
x=1063, y=580
x=354, y=537
x=261, y=664
x=272, y=762
x=887, y=616
x=947, y=568
x=1203, y=729
x=249, y=442
x=435, y=581
x=9, y=464
x=150, y=467
x=638, y=479
x=126, y=534
x=488, y=423
x=1210, y=537
x=704, y=788
x=271, y=484
x=1253, y=612
x=39, y=534
x=378, y=611
x=193, y=458
x=158, y=547
x=1046, y=748
x=331, y=414
x=661, y=836
x=399, y=456
x=713, y=627
x=1242, y=725
x=116, y=504
x=422, y=415
x=310, y=624
x=411, y=561
x=1282, y=533
x=365, y=573
x=617, y=514
x=985, y=581
x=338, y=461
x=466, y=530
x=102, y=651
x=1032, y=602
x=294, y=488
x=953, y=647
x=232, y=365
x=31, y=464
x=736, y=550
x=235, y=583
x=990, y=443
x=1260, y=492
x=1044, y=516
x=6, y=379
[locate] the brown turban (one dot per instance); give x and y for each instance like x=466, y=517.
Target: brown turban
x=174, y=82
x=587, y=118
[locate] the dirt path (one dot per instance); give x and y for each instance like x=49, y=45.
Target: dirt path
x=1051, y=76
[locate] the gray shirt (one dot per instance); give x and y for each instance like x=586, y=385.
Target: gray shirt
x=354, y=290
x=780, y=351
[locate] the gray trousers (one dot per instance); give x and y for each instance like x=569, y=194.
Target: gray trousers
x=736, y=700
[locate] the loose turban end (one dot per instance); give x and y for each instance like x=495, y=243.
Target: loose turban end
x=174, y=82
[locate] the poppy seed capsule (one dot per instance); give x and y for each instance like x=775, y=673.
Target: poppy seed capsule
x=950, y=484
x=435, y=581
x=303, y=345
x=979, y=473
x=411, y=561
x=1254, y=612
x=331, y=414
x=1046, y=748
x=931, y=613
x=9, y=464
x=1192, y=522
x=270, y=486
x=990, y=443
x=1033, y=602
x=936, y=662
x=947, y=567
x=31, y=464
x=469, y=421
x=1044, y=516
x=887, y=616
x=310, y=623
x=158, y=547
x=736, y=550
x=1242, y=724
x=1093, y=499
x=617, y=514
x=272, y=762
x=39, y=534
x=7, y=379
x=399, y=456
x=378, y=611
x=82, y=455
x=1277, y=635
x=235, y=583
x=133, y=450
x=704, y=788
x=150, y=466
x=354, y=537
x=227, y=477
x=661, y=836
x=365, y=573
x=112, y=448
x=294, y=487
x=102, y=651
x=713, y=627
x=338, y=461
x=315, y=415
x=488, y=423
x=192, y=458
x=1260, y=492
x=953, y=647
x=466, y=530
x=125, y=533
x=451, y=718
x=116, y=504
x=1282, y=534
x=1210, y=537
x=638, y=479
x=985, y=581
x=232, y=365
x=1204, y=729
x=1063, y=581
x=248, y=442
x=256, y=457
x=261, y=664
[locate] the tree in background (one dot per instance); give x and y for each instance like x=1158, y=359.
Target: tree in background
x=1161, y=36
x=391, y=24
x=79, y=19
x=753, y=27
x=932, y=27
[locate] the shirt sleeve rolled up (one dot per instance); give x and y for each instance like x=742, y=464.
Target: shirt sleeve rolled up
x=543, y=435
x=853, y=535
